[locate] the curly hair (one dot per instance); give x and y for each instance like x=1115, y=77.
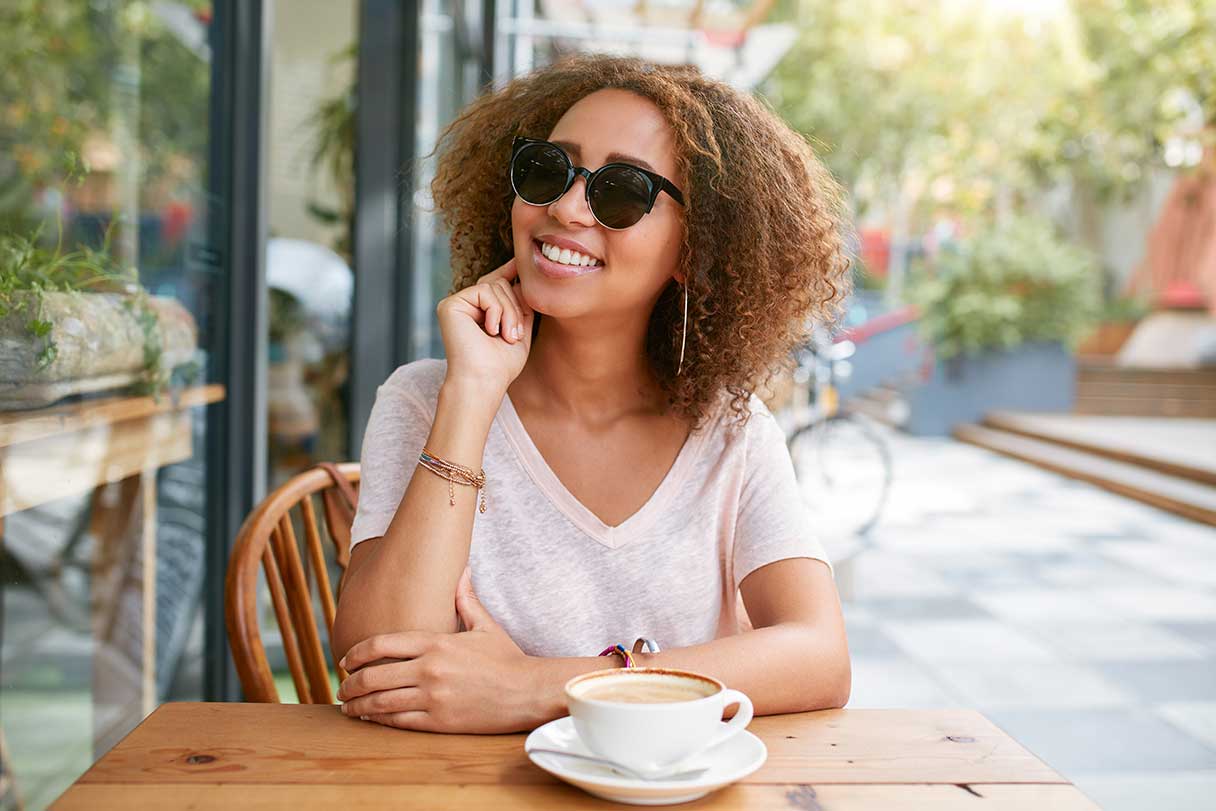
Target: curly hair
x=764, y=223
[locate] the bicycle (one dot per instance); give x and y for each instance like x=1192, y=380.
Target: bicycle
x=842, y=464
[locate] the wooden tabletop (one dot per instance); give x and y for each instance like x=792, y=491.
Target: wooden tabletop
x=270, y=756
x=73, y=448
x=40, y=423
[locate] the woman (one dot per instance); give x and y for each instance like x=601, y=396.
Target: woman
x=600, y=376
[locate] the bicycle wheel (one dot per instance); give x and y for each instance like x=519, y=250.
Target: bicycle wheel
x=844, y=472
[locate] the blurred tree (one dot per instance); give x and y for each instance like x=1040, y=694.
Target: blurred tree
x=70, y=69
x=975, y=108
x=1147, y=96
x=919, y=104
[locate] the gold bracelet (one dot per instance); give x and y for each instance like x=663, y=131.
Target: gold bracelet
x=455, y=474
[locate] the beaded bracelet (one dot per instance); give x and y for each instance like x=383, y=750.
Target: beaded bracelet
x=622, y=650
x=640, y=645
x=455, y=474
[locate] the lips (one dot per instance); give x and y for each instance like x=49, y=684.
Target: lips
x=556, y=270
x=573, y=245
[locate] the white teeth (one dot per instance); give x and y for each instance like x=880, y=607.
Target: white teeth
x=565, y=256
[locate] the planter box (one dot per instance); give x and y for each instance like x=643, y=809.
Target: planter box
x=99, y=342
x=1032, y=377
x=1107, y=339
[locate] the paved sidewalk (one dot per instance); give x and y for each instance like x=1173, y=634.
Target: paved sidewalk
x=1081, y=622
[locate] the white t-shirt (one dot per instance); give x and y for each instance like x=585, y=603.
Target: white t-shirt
x=563, y=583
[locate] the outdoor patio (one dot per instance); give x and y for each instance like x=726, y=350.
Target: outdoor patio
x=1081, y=622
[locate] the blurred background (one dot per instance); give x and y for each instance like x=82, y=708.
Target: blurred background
x=216, y=242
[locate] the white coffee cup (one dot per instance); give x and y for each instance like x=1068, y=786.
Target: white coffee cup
x=681, y=717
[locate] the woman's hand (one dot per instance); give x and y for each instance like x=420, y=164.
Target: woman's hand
x=487, y=329
x=475, y=681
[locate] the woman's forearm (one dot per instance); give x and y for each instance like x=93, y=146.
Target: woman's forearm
x=790, y=667
x=407, y=579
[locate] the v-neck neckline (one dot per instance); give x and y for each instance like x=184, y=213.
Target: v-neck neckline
x=565, y=501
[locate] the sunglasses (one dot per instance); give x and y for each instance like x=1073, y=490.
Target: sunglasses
x=619, y=194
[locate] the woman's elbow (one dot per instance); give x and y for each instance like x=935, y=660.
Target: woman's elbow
x=341, y=638
x=831, y=682
x=840, y=686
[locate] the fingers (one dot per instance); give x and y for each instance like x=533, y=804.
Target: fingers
x=403, y=699
x=380, y=677
x=503, y=320
x=485, y=303
x=404, y=645
x=513, y=326
x=418, y=720
x=509, y=317
x=498, y=304
x=508, y=271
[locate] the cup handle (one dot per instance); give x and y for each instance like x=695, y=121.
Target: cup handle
x=743, y=717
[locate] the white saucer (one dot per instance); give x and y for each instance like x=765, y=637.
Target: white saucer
x=731, y=760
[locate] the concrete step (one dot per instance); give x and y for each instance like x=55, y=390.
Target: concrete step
x=1183, y=496
x=1174, y=447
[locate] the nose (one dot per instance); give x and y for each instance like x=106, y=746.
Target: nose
x=571, y=208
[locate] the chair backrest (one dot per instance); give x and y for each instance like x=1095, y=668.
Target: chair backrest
x=268, y=539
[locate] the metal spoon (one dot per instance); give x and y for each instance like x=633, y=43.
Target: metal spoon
x=689, y=774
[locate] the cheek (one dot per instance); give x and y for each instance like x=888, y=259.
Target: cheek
x=656, y=246
x=523, y=222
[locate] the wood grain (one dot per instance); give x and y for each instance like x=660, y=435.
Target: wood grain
x=26, y=426
x=69, y=450
x=317, y=745
x=560, y=797
x=267, y=541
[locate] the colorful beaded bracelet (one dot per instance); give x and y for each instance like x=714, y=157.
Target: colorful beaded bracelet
x=622, y=650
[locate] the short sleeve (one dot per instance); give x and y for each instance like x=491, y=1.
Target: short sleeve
x=396, y=431
x=774, y=522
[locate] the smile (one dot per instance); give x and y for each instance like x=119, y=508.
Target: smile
x=562, y=263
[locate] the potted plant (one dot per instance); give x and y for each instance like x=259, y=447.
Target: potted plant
x=1002, y=313
x=77, y=321
x=1115, y=325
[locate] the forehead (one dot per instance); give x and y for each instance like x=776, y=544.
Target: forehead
x=617, y=121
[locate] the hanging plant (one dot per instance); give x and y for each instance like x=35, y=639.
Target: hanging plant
x=86, y=300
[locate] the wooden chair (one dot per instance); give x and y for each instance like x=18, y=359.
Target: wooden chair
x=268, y=538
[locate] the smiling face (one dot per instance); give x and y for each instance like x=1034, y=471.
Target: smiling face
x=624, y=271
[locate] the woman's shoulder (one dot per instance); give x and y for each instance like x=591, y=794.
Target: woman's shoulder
x=737, y=429
x=730, y=415
x=419, y=380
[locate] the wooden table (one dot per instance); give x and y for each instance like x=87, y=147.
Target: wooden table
x=272, y=756
x=110, y=447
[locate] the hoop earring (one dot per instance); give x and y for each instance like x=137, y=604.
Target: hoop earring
x=683, y=332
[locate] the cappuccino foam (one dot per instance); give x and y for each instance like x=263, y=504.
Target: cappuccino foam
x=645, y=689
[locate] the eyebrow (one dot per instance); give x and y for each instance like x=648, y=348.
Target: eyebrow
x=613, y=157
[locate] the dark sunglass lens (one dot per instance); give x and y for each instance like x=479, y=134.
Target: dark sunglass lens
x=539, y=173
x=619, y=196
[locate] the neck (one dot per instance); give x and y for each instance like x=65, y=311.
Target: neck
x=595, y=370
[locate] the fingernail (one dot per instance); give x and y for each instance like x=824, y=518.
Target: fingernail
x=519, y=332
x=362, y=717
x=342, y=663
